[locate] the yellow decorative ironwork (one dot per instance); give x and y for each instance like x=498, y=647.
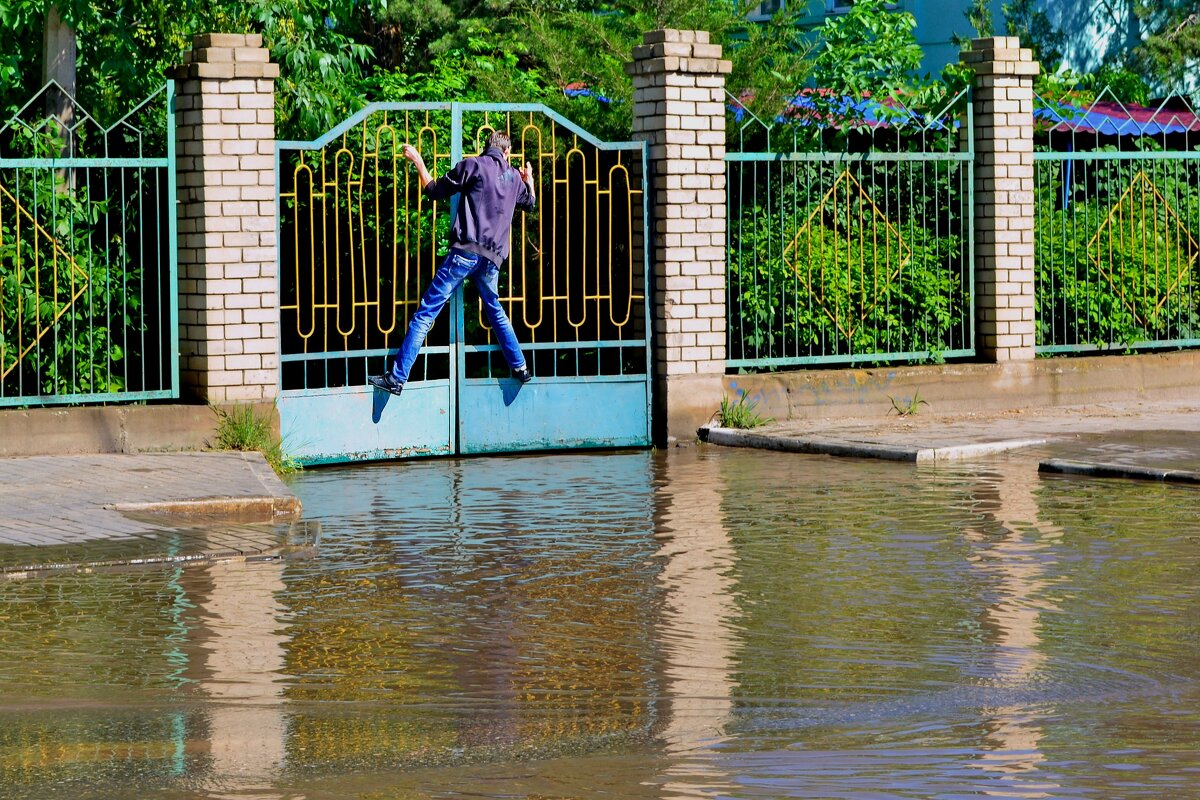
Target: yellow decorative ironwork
x=362, y=233
x=1143, y=249
x=847, y=254
x=365, y=239
x=586, y=198
x=44, y=285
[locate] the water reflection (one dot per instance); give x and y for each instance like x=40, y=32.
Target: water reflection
x=509, y=599
x=701, y=624
x=1013, y=551
x=699, y=621
x=237, y=654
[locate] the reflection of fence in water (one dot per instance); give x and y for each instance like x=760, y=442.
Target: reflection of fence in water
x=1117, y=227
x=360, y=242
x=859, y=254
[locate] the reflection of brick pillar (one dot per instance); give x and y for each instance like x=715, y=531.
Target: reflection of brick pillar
x=679, y=108
x=1004, y=205
x=228, y=335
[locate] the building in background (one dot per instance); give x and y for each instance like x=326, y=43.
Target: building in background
x=1089, y=33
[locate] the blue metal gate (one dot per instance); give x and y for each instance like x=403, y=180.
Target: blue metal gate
x=359, y=243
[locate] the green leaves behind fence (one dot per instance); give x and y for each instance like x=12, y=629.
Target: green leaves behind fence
x=1117, y=243
x=848, y=271
x=70, y=294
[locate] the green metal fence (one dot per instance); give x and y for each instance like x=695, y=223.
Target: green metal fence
x=87, y=253
x=1117, y=226
x=849, y=234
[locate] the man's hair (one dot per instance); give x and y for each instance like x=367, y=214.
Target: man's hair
x=499, y=140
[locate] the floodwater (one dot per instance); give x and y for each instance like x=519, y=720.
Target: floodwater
x=705, y=623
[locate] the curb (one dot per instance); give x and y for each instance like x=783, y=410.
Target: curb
x=1100, y=470
x=244, y=509
x=729, y=437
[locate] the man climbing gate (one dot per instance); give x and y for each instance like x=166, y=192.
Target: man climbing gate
x=491, y=191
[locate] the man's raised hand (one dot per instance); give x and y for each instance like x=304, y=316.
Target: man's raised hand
x=527, y=173
x=414, y=156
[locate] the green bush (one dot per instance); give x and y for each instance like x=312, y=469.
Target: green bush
x=740, y=414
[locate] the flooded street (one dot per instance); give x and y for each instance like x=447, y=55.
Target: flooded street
x=703, y=623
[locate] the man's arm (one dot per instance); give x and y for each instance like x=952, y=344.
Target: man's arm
x=412, y=154
x=528, y=198
x=450, y=183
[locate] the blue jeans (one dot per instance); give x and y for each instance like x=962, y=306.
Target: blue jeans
x=456, y=268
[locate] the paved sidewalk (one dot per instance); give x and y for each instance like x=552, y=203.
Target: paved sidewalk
x=1153, y=436
x=108, y=510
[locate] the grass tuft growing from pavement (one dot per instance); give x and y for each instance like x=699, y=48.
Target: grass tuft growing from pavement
x=740, y=414
x=239, y=428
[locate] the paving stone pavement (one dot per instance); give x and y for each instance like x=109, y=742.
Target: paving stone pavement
x=103, y=510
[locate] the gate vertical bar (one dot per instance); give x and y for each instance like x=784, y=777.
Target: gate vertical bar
x=457, y=362
x=648, y=286
x=172, y=240
x=970, y=232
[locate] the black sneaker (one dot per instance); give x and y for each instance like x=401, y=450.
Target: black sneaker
x=523, y=374
x=387, y=383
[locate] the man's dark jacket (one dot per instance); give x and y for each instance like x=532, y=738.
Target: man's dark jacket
x=491, y=189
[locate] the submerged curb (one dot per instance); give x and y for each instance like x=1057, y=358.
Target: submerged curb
x=264, y=508
x=729, y=437
x=299, y=540
x=1101, y=470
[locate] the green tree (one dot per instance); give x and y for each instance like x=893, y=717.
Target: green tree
x=868, y=50
x=1024, y=20
x=593, y=43
x=125, y=46
x=1171, y=48
x=980, y=17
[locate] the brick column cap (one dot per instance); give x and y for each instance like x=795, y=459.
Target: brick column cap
x=226, y=56
x=675, y=35
x=1000, y=55
x=670, y=50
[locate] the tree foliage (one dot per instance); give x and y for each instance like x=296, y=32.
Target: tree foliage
x=1160, y=63
x=126, y=46
x=867, y=50
x=1171, y=49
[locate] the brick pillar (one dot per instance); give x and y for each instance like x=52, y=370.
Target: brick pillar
x=1004, y=206
x=679, y=109
x=228, y=315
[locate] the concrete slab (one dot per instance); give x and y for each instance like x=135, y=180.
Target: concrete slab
x=106, y=510
x=889, y=451
x=1097, y=470
x=1141, y=436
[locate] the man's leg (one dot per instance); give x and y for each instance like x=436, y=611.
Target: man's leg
x=486, y=277
x=454, y=269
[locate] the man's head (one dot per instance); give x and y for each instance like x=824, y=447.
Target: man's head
x=500, y=141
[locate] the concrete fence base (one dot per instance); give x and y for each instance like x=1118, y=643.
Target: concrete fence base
x=112, y=429
x=969, y=388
